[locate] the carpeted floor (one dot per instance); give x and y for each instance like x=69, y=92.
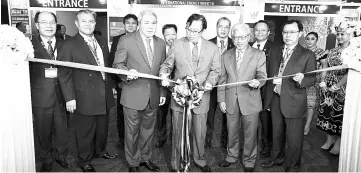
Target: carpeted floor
x=313, y=159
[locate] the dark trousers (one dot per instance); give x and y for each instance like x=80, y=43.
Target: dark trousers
x=164, y=121
x=266, y=129
x=49, y=122
x=91, y=133
x=216, y=120
x=139, y=132
x=120, y=116
x=287, y=137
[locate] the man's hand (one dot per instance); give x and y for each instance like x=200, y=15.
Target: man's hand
x=71, y=106
x=165, y=81
x=254, y=83
x=222, y=106
x=298, y=78
x=333, y=88
x=208, y=87
x=323, y=86
x=162, y=101
x=114, y=93
x=133, y=76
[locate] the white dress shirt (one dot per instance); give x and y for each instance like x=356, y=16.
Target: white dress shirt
x=261, y=47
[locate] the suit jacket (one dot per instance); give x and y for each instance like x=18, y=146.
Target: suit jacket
x=207, y=71
x=253, y=66
x=267, y=47
x=230, y=42
x=131, y=54
x=93, y=95
x=44, y=91
x=293, y=95
x=111, y=56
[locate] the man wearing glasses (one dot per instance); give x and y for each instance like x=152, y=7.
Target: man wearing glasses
x=288, y=96
x=46, y=96
x=242, y=103
x=261, y=33
x=216, y=120
x=192, y=56
x=88, y=94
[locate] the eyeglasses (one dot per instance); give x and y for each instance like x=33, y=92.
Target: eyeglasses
x=193, y=32
x=289, y=32
x=240, y=37
x=85, y=22
x=49, y=23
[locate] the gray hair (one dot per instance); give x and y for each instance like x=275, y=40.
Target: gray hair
x=240, y=26
x=86, y=11
x=147, y=11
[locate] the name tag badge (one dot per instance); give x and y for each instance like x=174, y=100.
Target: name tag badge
x=277, y=81
x=51, y=72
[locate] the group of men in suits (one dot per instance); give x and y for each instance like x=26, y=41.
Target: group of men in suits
x=88, y=95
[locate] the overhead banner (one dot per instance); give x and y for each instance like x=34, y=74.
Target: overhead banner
x=300, y=9
x=186, y=2
x=97, y=4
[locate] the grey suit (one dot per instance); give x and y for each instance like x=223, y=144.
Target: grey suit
x=140, y=97
x=207, y=71
x=242, y=101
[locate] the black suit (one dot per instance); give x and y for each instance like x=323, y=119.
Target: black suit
x=214, y=110
x=288, y=108
x=93, y=97
x=120, y=114
x=47, y=106
x=265, y=115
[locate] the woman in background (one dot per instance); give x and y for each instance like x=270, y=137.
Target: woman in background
x=313, y=92
x=332, y=100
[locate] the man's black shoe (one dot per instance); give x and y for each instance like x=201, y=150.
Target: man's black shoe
x=225, y=163
x=46, y=167
x=265, y=153
x=88, y=168
x=160, y=143
x=287, y=169
x=63, y=163
x=205, y=168
x=150, y=166
x=108, y=156
x=270, y=164
x=248, y=169
x=134, y=169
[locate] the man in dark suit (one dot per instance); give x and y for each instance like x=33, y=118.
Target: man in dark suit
x=88, y=94
x=142, y=52
x=46, y=97
x=61, y=32
x=130, y=22
x=192, y=56
x=261, y=33
x=164, y=119
x=288, y=96
x=216, y=120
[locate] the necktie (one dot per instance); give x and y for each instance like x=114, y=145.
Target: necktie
x=93, y=46
x=285, y=56
x=195, y=55
x=258, y=46
x=50, y=51
x=239, y=60
x=222, y=46
x=149, y=52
